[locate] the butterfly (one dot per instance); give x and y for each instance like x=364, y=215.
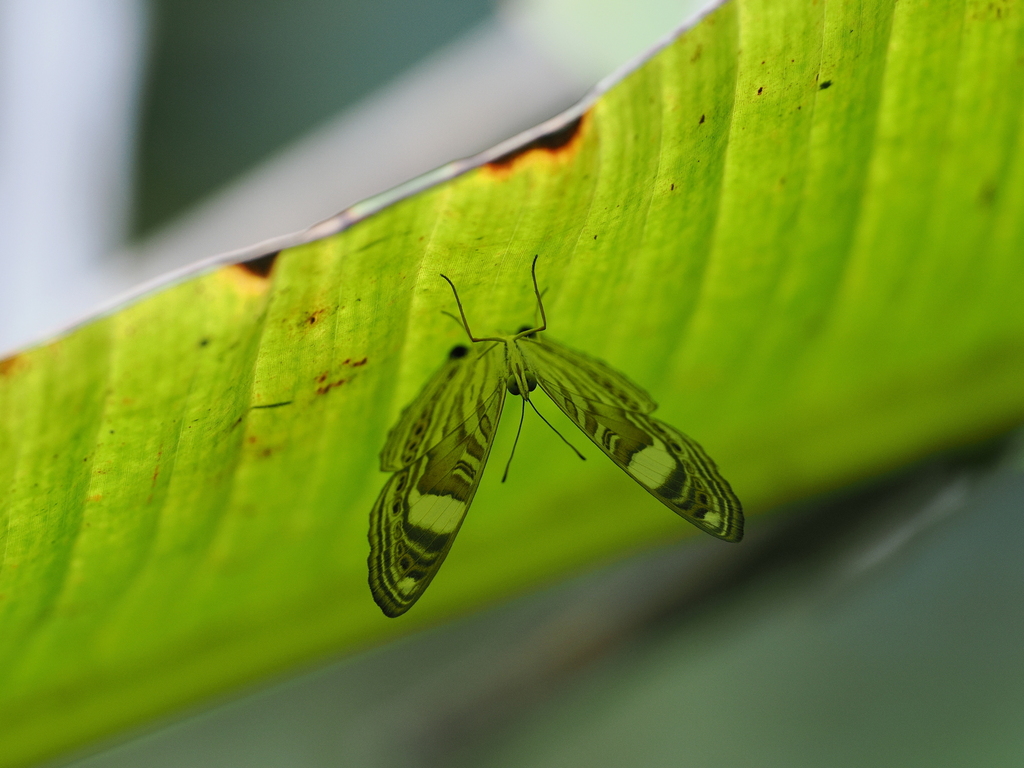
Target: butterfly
x=439, y=447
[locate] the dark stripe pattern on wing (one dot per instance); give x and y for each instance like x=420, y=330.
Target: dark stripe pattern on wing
x=447, y=400
x=585, y=376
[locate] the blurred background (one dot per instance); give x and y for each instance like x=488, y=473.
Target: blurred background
x=880, y=626
x=136, y=137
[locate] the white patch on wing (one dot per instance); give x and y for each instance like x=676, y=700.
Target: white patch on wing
x=437, y=513
x=651, y=466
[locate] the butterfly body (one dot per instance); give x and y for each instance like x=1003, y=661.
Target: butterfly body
x=440, y=445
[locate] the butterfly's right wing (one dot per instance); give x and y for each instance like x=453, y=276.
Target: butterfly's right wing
x=669, y=465
x=585, y=376
x=446, y=434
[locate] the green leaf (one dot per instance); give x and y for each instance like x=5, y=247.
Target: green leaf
x=799, y=228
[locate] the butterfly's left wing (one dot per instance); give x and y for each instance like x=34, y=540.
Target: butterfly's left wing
x=422, y=506
x=449, y=398
x=669, y=465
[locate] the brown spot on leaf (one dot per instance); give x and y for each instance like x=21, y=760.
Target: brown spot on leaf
x=245, y=281
x=325, y=388
x=559, y=140
x=759, y=90
x=261, y=266
x=825, y=85
x=10, y=364
x=324, y=379
x=701, y=121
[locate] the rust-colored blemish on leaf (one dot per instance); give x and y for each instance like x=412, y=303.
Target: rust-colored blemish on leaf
x=326, y=379
x=327, y=386
x=261, y=266
x=11, y=364
x=562, y=141
x=251, y=277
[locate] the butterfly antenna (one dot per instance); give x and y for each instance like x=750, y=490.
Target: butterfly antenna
x=540, y=304
x=522, y=415
x=564, y=440
x=465, y=323
x=535, y=311
x=453, y=317
x=462, y=313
